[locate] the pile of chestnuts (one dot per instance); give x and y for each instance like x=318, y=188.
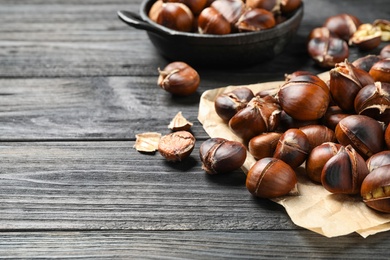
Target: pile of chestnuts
x=338, y=129
x=329, y=44
x=221, y=16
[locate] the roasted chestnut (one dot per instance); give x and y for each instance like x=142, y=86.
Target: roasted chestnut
x=176, y=146
x=288, y=6
x=304, y=99
x=228, y=104
x=176, y=16
x=342, y=25
x=327, y=51
x=374, y=101
x=378, y=160
x=293, y=147
x=366, y=62
x=255, y=20
x=270, y=178
x=380, y=71
x=196, y=6
x=333, y=116
x=287, y=122
x=210, y=21
x=366, y=37
x=375, y=189
x=269, y=5
x=344, y=172
x=179, y=78
x=318, y=157
x=259, y=116
x=231, y=10
x=219, y=155
x=363, y=133
x=385, y=52
x=345, y=82
x=263, y=145
x=318, y=134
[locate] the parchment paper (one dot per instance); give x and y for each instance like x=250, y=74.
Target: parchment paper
x=313, y=208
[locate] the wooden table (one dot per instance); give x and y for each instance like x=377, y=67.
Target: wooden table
x=76, y=85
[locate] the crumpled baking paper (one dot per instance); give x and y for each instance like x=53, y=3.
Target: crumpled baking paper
x=312, y=207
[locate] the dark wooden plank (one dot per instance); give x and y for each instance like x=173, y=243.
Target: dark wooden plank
x=71, y=38
x=109, y=185
x=261, y=244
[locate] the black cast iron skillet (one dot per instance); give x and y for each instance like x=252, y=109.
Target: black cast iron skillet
x=237, y=49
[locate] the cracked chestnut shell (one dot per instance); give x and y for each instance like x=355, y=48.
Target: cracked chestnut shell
x=345, y=82
x=293, y=147
x=363, y=133
x=378, y=160
x=327, y=51
x=375, y=189
x=259, y=116
x=219, y=155
x=176, y=146
x=344, y=172
x=366, y=37
x=228, y=104
x=374, y=101
x=270, y=178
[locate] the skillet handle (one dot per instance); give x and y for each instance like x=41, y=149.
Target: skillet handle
x=137, y=22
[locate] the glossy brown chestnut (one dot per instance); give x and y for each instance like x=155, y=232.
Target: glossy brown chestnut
x=304, y=100
x=333, y=116
x=345, y=82
x=385, y=52
x=269, y=5
x=298, y=73
x=293, y=147
x=318, y=134
x=255, y=20
x=210, y=21
x=363, y=133
x=179, y=78
x=378, y=160
x=344, y=172
x=374, y=101
x=287, y=122
x=375, y=189
x=196, y=6
x=380, y=71
x=176, y=16
x=342, y=25
x=228, y=104
x=270, y=178
x=176, y=146
x=366, y=62
x=288, y=6
x=367, y=37
x=263, y=145
x=318, y=157
x=387, y=136
x=219, y=155
x=327, y=51
x=259, y=116
x=231, y=10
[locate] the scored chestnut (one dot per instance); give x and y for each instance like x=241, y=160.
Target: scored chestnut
x=210, y=21
x=176, y=16
x=375, y=189
x=219, y=155
x=255, y=20
x=378, y=160
x=270, y=178
x=318, y=134
x=327, y=51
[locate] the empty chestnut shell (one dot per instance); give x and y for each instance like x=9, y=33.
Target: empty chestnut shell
x=219, y=155
x=270, y=178
x=375, y=189
x=378, y=160
x=293, y=148
x=344, y=172
x=374, y=101
x=365, y=134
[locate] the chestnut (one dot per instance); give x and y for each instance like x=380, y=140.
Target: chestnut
x=179, y=78
x=378, y=160
x=231, y=10
x=263, y=145
x=345, y=82
x=343, y=25
x=288, y=6
x=293, y=147
x=333, y=116
x=255, y=20
x=176, y=146
x=344, y=172
x=384, y=26
x=375, y=189
x=269, y=5
x=259, y=116
x=210, y=21
x=366, y=62
x=219, y=155
x=318, y=134
x=387, y=136
x=380, y=71
x=385, y=52
x=318, y=157
x=363, y=133
x=297, y=73
x=366, y=37
x=176, y=16
x=270, y=178
x=304, y=100
x=287, y=122
x=374, y=101
x=196, y=6
x=327, y=51
x=227, y=104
